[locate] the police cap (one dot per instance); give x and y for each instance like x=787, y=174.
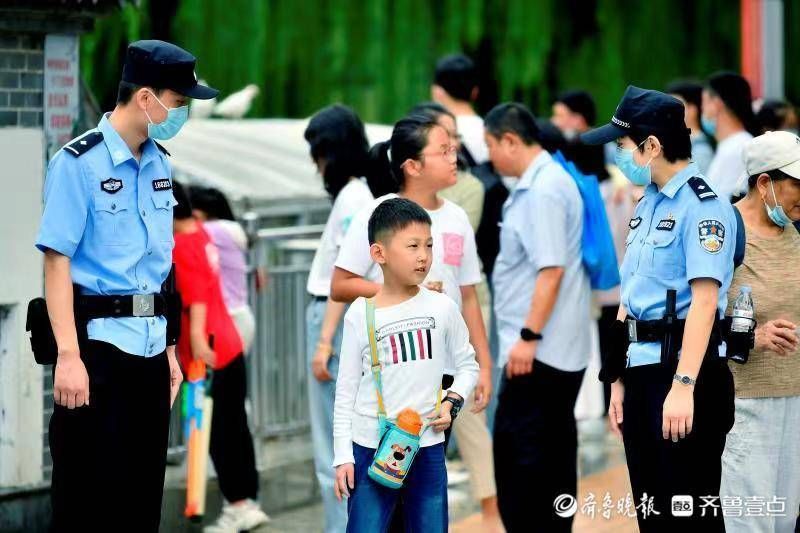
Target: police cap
x=643, y=111
x=163, y=65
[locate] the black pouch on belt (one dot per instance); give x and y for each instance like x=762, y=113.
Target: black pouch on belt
x=43, y=342
x=613, y=362
x=739, y=343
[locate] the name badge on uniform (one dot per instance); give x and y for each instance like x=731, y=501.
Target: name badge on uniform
x=712, y=235
x=634, y=223
x=162, y=185
x=111, y=185
x=666, y=224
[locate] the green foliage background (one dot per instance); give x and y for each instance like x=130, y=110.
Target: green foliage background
x=378, y=55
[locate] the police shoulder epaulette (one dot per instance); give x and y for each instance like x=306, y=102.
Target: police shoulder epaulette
x=83, y=144
x=701, y=189
x=163, y=150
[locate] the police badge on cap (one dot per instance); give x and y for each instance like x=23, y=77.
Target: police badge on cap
x=163, y=65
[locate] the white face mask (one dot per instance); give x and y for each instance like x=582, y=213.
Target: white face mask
x=570, y=134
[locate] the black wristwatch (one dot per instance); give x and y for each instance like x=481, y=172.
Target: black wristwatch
x=528, y=335
x=457, y=405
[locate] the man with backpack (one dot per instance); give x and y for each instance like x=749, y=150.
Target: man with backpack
x=542, y=301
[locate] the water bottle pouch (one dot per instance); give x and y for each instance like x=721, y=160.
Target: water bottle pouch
x=739, y=343
x=394, y=456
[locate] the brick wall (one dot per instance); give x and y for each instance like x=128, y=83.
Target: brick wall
x=21, y=79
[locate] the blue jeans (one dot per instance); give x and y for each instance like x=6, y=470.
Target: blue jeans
x=320, y=407
x=424, y=495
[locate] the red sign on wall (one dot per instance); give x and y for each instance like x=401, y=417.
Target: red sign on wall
x=60, y=89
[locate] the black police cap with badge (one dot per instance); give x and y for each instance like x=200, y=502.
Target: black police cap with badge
x=642, y=111
x=162, y=65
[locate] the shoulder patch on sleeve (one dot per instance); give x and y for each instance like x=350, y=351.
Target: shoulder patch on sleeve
x=163, y=150
x=711, y=235
x=701, y=188
x=83, y=144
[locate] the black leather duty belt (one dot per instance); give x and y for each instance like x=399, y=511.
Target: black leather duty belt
x=134, y=305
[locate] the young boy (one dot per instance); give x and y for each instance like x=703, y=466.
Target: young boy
x=416, y=331
x=205, y=315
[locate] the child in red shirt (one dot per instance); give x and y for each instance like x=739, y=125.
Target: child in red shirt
x=205, y=316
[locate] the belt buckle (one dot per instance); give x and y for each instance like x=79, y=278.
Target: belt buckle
x=632, y=333
x=144, y=305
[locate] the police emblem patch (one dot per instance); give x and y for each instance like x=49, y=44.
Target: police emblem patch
x=111, y=185
x=634, y=223
x=712, y=235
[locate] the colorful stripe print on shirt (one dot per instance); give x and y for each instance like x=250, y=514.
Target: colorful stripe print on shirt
x=406, y=340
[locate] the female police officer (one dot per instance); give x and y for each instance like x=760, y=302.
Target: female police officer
x=677, y=397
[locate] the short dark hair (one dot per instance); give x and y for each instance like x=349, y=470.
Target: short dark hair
x=734, y=91
x=775, y=175
x=513, y=117
x=409, y=139
x=434, y=109
x=336, y=134
x=772, y=115
x=392, y=216
x=212, y=202
x=550, y=137
x=677, y=145
x=690, y=91
x=456, y=74
x=126, y=91
x=183, y=210
x=580, y=102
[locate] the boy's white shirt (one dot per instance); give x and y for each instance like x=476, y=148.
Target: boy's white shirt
x=425, y=330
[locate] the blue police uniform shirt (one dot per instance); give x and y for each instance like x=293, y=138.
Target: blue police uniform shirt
x=675, y=237
x=112, y=216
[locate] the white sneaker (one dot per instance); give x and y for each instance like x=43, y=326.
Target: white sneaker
x=236, y=518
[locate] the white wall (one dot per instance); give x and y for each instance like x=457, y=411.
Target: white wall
x=21, y=177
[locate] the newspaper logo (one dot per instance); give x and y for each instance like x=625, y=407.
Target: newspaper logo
x=682, y=506
x=565, y=506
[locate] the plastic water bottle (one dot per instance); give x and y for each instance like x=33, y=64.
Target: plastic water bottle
x=743, y=318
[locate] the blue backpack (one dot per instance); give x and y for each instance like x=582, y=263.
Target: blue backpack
x=597, y=244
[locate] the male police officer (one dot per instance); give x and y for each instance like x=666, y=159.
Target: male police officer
x=106, y=233
x=677, y=410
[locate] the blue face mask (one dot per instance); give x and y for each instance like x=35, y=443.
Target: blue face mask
x=709, y=125
x=777, y=214
x=624, y=161
x=176, y=118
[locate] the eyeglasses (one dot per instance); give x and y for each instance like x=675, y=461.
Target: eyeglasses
x=449, y=153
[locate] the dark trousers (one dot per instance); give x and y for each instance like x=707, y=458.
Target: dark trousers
x=231, y=445
x=535, y=448
x=109, y=457
x=690, y=467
